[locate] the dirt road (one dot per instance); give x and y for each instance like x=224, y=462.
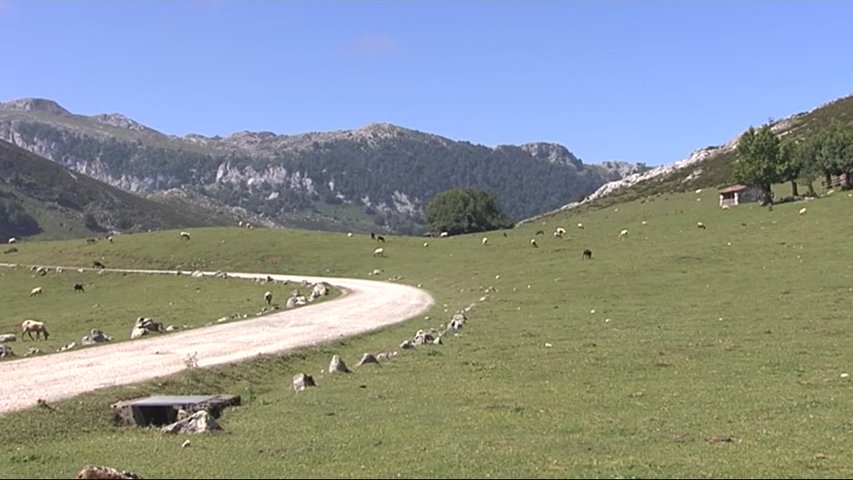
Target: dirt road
x=365, y=305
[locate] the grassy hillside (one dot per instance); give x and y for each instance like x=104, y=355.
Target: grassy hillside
x=41, y=199
x=677, y=352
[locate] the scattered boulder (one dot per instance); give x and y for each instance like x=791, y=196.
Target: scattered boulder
x=199, y=422
x=422, y=337
x=95, y=472
x=95, y=336
x=337, y=365
x=385, y=356
x=144, y=325
x=367, y=358
x=301, y=381
x=320, y=289
x=457, y=321
x=296, y=301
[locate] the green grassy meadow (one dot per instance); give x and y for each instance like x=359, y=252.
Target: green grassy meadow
x=675, y=353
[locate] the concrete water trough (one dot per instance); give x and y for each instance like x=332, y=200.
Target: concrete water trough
x=160, y=410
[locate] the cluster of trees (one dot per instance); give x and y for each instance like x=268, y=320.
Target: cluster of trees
x=465, y=210
x=14, y=219
x=764, y=159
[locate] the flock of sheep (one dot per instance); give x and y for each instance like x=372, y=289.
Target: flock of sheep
x=37, y=330
x=29, y=326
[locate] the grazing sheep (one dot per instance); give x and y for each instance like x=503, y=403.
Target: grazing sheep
x=540, y=232
x=185, y=235
x=380, y=238
x=110, y=239
x=98, y=264
x=533, y=242
x=700, y=225
x=30, y=326
x=35, y=291
x=559, y=232
x=587, y=254
x=803, y=211
x=623, y=234
x=379, y=252
x=580, y=226
x=78, y=287
x=444, y=234
x=349, y=234
x=268, y=297
x=13, y=240
x=485, y=240
x=426, y=244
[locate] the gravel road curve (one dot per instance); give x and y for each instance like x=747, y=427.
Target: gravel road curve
x=365, y=305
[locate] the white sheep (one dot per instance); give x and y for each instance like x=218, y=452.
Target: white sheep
x=426, y=244
x=559, y=232
x=580, y=226
x=700, y=225
x=13, y=240
x=485, y=240
x=30, y=326
x=623, y=234
x=443, y=234
x=185, y=235
x=268, y=297
x=533, y=242
x=35, y=291
x=803, y=211
x=379, y=252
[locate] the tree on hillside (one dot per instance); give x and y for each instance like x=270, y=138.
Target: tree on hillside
x=804, y=153
x=789, y=165
x=835, y=152
x=465, y=210
x=758, y=159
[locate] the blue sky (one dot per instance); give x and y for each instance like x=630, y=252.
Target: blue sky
x=640, y=81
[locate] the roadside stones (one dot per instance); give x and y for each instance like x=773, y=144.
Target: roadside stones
x=199, y=422
x=301, y=381
x=337, y=365
x=367, y=358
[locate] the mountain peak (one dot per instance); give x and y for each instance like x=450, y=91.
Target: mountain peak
x=35, y=105
x=119, y=120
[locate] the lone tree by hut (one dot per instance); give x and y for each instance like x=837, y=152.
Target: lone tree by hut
x=757, y=161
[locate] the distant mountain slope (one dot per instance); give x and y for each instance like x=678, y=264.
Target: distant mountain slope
x=379, y=176
x=709, y=167
x=39, y=197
